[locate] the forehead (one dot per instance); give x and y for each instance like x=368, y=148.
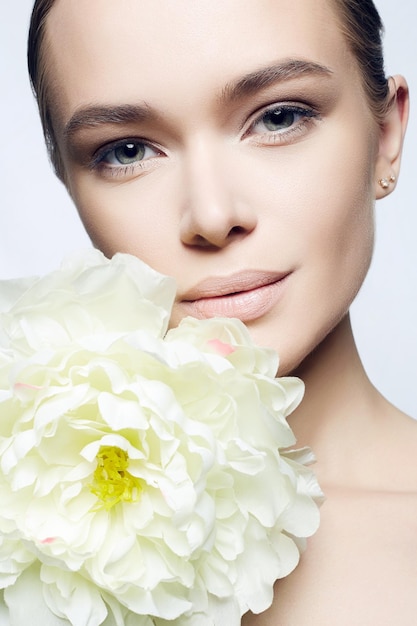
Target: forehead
x=152, y=49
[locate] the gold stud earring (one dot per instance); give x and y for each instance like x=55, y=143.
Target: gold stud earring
x=386, y=182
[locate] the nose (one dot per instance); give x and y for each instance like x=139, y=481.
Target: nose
x=214, y=212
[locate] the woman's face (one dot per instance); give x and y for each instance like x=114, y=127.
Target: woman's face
x=226, y=143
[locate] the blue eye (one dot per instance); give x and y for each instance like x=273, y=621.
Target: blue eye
x=126, y=158
x=128, y=153
x=116, y=157
x=282, y=123
x=279, y=119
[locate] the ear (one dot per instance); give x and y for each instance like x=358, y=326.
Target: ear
x=391, y=137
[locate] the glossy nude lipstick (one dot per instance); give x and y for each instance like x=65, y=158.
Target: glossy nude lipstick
x=246, y=295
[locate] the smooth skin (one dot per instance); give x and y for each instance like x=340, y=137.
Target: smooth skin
x=230, y=144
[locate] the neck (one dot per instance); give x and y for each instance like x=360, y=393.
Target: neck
x=340, y=409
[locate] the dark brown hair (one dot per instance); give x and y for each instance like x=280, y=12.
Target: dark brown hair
x=363, y=29
x=36, y=55
x=359, y=21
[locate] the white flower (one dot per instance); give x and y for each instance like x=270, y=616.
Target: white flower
x=87, y=298
x=141, y=476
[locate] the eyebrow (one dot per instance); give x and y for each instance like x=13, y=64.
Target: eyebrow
x=264, y=77
x=96, y=115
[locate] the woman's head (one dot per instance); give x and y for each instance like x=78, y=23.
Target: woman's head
x=359, y=20
x=231, y=144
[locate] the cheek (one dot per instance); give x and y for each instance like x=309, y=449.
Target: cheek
x=334, y=208
x=338, y=239
x=131, y=217
x=341, y=223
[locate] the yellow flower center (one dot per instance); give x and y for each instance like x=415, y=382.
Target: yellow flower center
x=112, y=482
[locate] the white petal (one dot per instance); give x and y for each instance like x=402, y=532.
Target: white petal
x=26, y=602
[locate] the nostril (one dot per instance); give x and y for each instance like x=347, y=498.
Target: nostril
x=216, y=240
x=237, y=230
x=201, y=242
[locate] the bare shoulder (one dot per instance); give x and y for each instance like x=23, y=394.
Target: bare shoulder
x=359, y=569
x=361, y=566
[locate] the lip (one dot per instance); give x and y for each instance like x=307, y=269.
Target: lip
x=246, y=295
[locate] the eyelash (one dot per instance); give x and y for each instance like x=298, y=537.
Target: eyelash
x=128, y=169
x=306, y=115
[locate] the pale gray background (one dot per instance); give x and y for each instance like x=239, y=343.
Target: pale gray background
x=38, y=224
